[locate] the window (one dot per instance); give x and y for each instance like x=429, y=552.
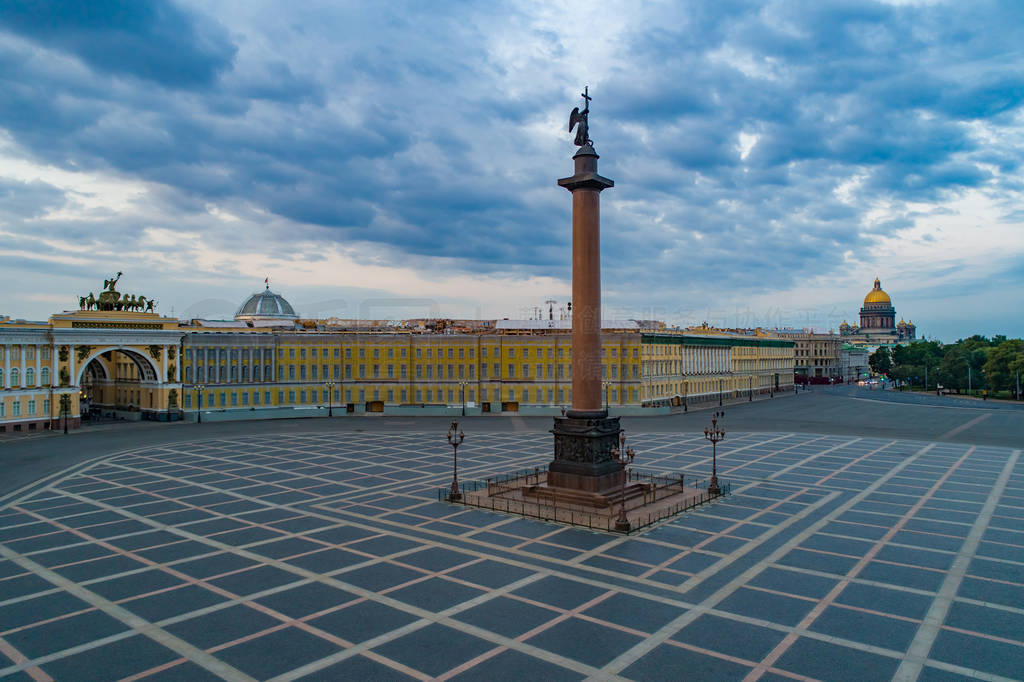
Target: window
x=234, y=399
x=526, y=371
x=462, y=353
x=31, y=404
x=15, y=380
x=483, y=372
x=46, y=407
x=483, y=352
x=451, y=370
x=302, y=396
x=376, y=371
x=291, y=352
x=291, y=397
x=302, y=353
x=268, y=375
x=15, y=406
x=336, y=351
x=511, y=371
x=313, y=352
x=391, y=396
x=403, y=395
x=403, y=371
x=348, y=352
x=348, y=395
x=451, y=353
x=511, y=352
x=362, y=370
x=266, y=397
x=362, y=352
x=44, y=376
x=472, y=353
x=1, y=378
x=391, y=371
x=223, y=399
x=337, y=371
x=376, y=353
x=312, y=372
x=348, y=371
x=291, y=372
x=188, y=400
x=280, y=397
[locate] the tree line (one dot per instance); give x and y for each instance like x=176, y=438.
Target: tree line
x=975, y=363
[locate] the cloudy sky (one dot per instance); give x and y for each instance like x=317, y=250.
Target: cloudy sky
x=397, y=159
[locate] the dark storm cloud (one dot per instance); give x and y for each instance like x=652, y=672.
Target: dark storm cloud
x=153, y=40
x=406, y=127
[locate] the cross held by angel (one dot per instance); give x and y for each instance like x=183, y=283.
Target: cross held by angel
x=578, y=119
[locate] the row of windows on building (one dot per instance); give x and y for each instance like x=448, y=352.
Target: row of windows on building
x=232, y=374
x=449, y=396
x=14, y=380
x=266, y=354
x=14, y=352
x=30, y=408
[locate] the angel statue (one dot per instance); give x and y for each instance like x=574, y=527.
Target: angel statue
x=580, y=117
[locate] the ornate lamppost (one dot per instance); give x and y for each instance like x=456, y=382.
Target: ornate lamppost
x=65, y=409
x=455, y=438
x=330, y=398
x=715, y=434
x=462, y=387
x=199, y=402
x=607, y=386
x=623, y=456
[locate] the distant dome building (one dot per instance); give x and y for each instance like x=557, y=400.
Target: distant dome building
x=266, y=305
x=878, y=320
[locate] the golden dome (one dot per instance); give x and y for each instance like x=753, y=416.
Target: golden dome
x=876, y=295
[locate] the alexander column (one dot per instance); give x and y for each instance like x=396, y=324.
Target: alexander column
x=584, y=438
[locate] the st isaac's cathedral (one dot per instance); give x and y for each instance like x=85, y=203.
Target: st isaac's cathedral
x=878, y=324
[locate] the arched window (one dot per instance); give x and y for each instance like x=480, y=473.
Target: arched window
x=245, y=372
x=1, y=378
x=268, y=375
x=44, y=376
x=30, y=377
x=188, y=375
x=15, y=378
x=223, y=374
x=200, y=373
x=256, y=373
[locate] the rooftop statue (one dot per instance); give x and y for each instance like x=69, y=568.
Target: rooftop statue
x=580, y=118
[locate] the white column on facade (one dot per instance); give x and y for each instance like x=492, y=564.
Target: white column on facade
x=163, y=364
x=22, y=377
x=252, y=364
x=71, y=365
x=7, y=364
x=37, y=352
x=54, y=379
x=177, y=367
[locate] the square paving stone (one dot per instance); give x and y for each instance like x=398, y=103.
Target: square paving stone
x=693, y=562
x=802, y=584
x=22, y=613
x=732, y=637
x=286, y=548
x=379, y=576
x=506, y=616
x=255, y=580
x=70, y=555
x=214, y=565
x=172, y=603
x=816, y=561
x=437, y=559
x=669, y=662
x=888, y=633
x=222, y=626
x=99, y=568
x=174, y=552
x=277, y=652
x=65, y=633
x=773, y=608
x=646, y=615
x=434, y=649
x=326, y=560
x=916, y=557
x=982, y=654
x=559, y=592
x=584, y=641
x=895, y=601
x=112, y=661
x=978, y=618
x=303, y=600
x=826, y=661
x=435, y=594
x=362, y=621
x=918, y=578
x=644, y=552
x=357, y=668
x=23, y=585
x=135, y=584
x=515, y=665
x=992, y=591
x=342, y=534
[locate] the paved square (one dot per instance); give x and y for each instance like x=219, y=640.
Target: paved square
x=254, y=557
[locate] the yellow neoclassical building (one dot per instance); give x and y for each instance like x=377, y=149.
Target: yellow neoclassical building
x=125, y=363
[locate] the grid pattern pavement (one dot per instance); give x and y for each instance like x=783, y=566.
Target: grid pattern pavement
x=325, y=556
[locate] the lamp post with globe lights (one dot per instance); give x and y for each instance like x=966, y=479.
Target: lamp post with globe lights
x=199, y=402
x=455, y=438
x=624, y=456
x=715, y=434
x=330, y=398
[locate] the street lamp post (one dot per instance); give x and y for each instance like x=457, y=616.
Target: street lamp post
x=462, y=386
x=715, y=434
x=65, y=409
x=330, y=398
x=199, y=402
x=720, y=389
x=455, y=438
x=750, y=395
x=607, y=386
x=623, y=456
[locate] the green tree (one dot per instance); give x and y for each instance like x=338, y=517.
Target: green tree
x=880, y=361
x=1002, y=364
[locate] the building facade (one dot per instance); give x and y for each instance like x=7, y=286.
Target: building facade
x=133, y=364
x=816, y=355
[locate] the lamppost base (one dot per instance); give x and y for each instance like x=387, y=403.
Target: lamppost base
x=713, y=488
x=622, y=526
x=454, y=497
